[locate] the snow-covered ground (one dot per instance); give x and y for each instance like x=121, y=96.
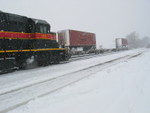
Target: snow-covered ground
x=122, y=88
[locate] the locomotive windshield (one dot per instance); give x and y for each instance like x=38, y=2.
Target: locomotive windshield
x=42, y=28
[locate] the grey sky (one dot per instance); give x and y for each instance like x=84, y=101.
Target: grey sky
x=109, y=19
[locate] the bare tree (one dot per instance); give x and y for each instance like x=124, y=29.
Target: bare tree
x=145, y=41
x=133, y=40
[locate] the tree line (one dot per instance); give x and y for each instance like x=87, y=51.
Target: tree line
x=134, y=41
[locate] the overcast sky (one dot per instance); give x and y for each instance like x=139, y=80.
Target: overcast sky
x=109, y=19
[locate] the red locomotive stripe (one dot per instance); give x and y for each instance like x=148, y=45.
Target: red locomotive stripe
x=18, y=35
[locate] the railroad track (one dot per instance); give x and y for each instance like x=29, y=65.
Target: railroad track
x=15, y=97
x=87, y=56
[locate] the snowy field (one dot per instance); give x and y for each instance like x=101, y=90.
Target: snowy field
x=120, y=88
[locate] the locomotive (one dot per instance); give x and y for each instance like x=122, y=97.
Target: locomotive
x=24, y=40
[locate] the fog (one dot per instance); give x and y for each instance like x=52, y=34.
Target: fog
x=109, y=19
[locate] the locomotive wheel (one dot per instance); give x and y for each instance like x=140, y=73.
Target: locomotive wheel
x=57, y=61
x=30, y=63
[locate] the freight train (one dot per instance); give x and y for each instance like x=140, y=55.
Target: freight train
x=24, y=40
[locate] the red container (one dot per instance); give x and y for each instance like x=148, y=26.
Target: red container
x=124, y=42
x=121, y=43
x=76, y=38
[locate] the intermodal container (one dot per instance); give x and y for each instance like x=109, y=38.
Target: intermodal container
x=76, y=38
x=121, y=42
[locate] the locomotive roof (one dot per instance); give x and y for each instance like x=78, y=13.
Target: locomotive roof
x=15, y=17
x=22, y=18
x=37, y=21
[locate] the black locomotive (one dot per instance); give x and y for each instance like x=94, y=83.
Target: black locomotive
x=24, y=40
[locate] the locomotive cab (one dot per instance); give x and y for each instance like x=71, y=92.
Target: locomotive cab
x=41, y=26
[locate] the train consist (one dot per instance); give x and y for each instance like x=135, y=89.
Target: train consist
x=24, y=40
x=79, y=42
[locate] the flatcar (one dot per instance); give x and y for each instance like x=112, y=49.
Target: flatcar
x=24, y=40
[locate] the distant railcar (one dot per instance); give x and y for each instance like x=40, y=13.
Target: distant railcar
x=23, y=38
x=121, y=44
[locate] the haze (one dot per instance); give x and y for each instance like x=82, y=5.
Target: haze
x=109, y=19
